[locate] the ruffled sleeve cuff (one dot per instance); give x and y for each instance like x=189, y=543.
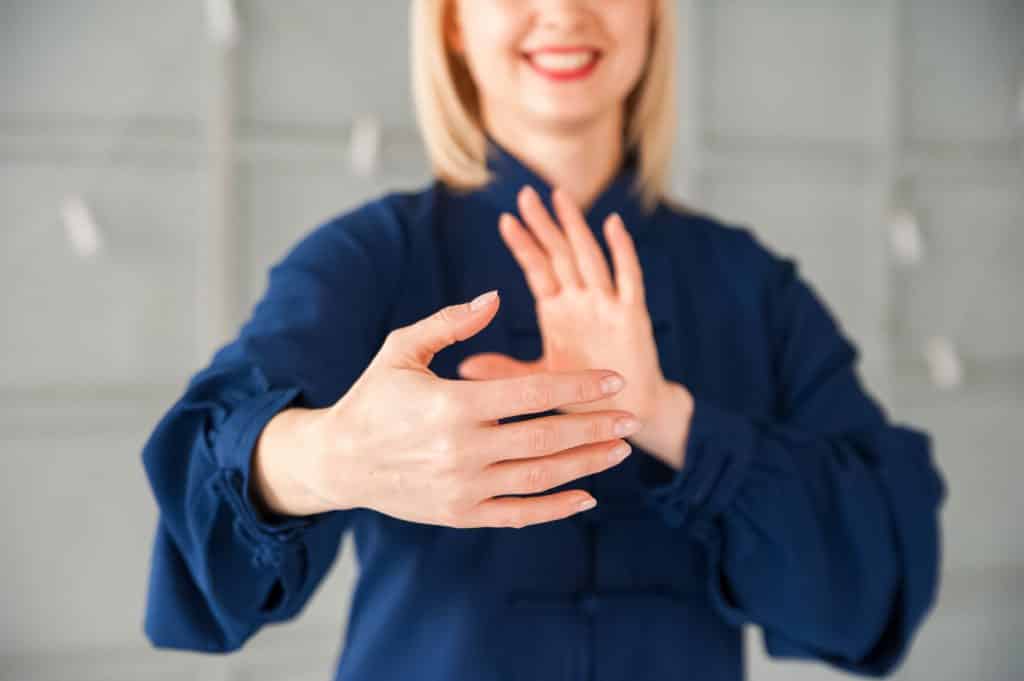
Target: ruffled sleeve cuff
x=719, y=448
x=267, y=534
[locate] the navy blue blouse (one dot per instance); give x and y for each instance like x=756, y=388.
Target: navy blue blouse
x=800, y=508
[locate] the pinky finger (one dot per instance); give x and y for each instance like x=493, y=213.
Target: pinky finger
x=519, y=512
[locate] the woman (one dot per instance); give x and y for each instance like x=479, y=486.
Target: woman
x=457, y=440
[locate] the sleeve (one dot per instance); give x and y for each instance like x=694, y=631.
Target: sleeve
x=820, y=525
x=219, y=569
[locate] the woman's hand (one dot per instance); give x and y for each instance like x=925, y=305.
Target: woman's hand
x=587, y=319
x=418, y=447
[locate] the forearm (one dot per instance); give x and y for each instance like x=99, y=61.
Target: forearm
x=821, y=500
x=217, y=572
x=829, y=542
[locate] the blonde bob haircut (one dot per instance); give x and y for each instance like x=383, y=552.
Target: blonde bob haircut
x=448, y=111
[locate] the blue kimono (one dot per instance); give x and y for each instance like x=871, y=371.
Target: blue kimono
x=800, y=506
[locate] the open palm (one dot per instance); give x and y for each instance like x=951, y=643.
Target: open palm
x=588, y=319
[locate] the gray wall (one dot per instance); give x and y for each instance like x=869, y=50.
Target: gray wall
x=807, y=121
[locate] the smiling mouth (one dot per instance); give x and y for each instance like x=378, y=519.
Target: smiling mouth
x=563, y=64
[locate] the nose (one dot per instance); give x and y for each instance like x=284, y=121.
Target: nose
x=561, y=15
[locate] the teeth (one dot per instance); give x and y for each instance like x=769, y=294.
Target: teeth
x=562, y=61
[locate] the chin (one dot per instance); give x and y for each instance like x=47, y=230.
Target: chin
x=568, y=115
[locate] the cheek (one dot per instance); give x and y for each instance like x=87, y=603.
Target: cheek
x=629, y=24
x=490, y=34
x=490, y=67
x=631, y=55
x=493, y=59
x=634, y=56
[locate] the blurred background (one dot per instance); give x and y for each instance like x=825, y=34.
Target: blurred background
x=157, y=157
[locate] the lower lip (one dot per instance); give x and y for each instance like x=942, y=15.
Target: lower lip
x=561, y=76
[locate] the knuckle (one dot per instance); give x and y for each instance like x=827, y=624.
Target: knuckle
x=596, y=430
x=537, y=392
x=448, y=317
x=541, y=439
x=456, y=501
x=445, y=315
x=456, y=408
x=457, y=458
x=452, y=518
x=394, y=338
x=455, y=509
x=446, y=454
x=446, y=320
x=537, y=477
x=441, y=407
x=517, y=519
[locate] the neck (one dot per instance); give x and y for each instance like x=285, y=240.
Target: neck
x=582, y=162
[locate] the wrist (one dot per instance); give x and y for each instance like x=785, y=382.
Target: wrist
x=285, y=446
x=666, y=433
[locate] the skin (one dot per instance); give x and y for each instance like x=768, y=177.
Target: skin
x=409, y=444
x=568, y=132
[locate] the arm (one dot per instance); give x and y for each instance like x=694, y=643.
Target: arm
x=221, y=566
x=219, y=569
x=820, y=526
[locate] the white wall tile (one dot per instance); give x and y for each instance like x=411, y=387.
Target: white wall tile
x=101, y=59
x=965, y=65
x=309, y=62
x=125, y=317
x=806, y=70
x=973, y=242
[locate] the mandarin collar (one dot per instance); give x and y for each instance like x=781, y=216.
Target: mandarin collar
x=619, y=195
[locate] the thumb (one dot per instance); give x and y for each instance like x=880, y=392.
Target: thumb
x=415, y=345
x=491, y=365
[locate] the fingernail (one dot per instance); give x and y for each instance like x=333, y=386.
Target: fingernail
x=620, y=452
x=611, y=384
x=626, y=426
x=587, y=505
x=482, y=300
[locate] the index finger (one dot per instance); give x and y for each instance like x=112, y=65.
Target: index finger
x=499, y=398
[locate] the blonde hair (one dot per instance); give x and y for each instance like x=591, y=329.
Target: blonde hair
x=448, y=110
